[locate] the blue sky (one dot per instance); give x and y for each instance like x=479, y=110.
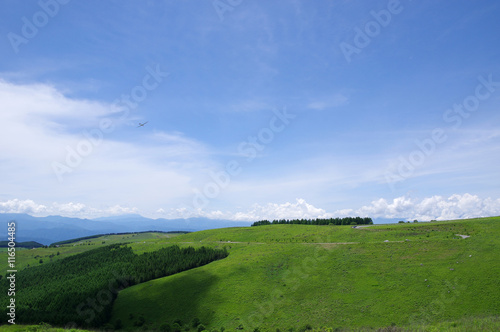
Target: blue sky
x=254, y=109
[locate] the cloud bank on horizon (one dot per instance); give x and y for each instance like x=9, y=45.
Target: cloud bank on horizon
x=405, y=208
x=259, y=110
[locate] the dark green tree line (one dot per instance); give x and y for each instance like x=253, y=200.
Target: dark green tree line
x=81, y=289
x=318, y=221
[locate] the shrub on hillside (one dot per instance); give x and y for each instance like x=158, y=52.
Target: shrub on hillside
x=176, y=327
x=165, y=328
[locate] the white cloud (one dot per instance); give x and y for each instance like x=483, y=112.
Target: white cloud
x=40, y=125
x=44, y=106
x=300, y=209
x=176, y=144
x=470, y=153
x=381, y=208
x=436, y=207
x=63, y=209
x=118, y=210
x=22, y=206
x=328, y=102
x=250, y=106
x=138, y=173
x=430, y=208
x=70, y=208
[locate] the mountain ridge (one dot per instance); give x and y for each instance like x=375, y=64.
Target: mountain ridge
x=50, y=229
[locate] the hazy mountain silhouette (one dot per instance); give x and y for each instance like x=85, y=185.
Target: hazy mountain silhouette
x=47, y=230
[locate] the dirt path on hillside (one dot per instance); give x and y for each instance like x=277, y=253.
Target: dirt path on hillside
x=325, y=244
x=463, y=236
x=330, y=243
x=239, y=242
x=221, y=242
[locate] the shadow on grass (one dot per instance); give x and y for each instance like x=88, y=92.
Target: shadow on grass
x=179, y=298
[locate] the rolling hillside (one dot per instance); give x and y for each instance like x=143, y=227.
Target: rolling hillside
x=417, y=277
x=295, y=276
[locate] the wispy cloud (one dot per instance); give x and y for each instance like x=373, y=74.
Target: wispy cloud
x=354, y=121
x=328, y=102
x=43, y=128
x=250, y=106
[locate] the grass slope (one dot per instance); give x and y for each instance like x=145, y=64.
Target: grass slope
x=283, y=276
x=31, y=257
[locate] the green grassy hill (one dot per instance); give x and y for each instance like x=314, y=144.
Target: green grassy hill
x=398, y=277
x=293, y=276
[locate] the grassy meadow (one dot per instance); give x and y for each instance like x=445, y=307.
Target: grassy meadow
x=293, y=276
x=398, y=277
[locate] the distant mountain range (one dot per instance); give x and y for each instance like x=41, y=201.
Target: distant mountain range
x=47, y=230
x=388, y=220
